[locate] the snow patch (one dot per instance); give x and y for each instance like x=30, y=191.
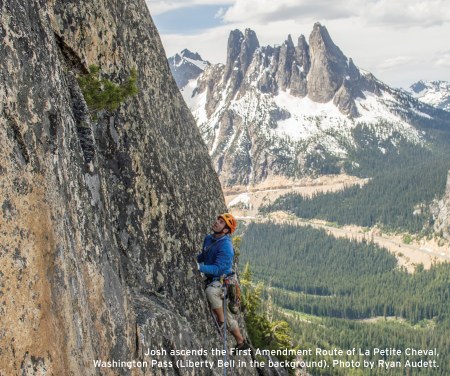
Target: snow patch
x=434, y=93
x=307, y=117
x=243, y=198
x=198, y=63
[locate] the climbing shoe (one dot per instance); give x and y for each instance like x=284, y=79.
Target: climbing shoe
x=241, y=346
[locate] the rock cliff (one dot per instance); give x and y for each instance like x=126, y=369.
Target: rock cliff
x=100, y=220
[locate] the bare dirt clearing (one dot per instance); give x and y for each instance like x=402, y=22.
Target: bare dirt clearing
x=245, y=202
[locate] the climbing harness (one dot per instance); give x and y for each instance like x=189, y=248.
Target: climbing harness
x=222, y=330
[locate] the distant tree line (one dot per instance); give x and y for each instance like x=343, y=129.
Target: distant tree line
x=324, y=276
x=398, y=199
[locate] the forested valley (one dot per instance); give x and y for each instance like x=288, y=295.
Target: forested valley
x=343, y=293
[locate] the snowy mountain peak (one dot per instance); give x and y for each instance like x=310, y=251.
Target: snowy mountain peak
x=191, y=55
x=417, y=87
x=434, y=93
x=186, y=66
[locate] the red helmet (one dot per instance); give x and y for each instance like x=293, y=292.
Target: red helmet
x=229, y=220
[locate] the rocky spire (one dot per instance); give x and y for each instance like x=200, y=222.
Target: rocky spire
x=328, y=65
x=240, y=52
x=353, y=71
x=249, y=45
x=344, y=99
x=300, y=67
x=286, y=58
x=350, y=89
x=302, y=55
x=233, y=50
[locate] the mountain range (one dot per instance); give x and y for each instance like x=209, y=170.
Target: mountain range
x=435, y=93
x=298, y=109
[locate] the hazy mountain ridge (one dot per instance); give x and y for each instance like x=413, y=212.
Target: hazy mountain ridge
x=296, y=110
x=434, y=93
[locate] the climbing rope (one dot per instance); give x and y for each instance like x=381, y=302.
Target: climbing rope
x=222, y=331
x=224, y=287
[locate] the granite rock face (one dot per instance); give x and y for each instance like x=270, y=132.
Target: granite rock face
x=328, y=66
x=100, y=220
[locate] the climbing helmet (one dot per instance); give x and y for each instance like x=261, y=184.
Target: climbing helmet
x=229, y=220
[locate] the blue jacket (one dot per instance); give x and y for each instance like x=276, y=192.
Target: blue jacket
x=217, y=256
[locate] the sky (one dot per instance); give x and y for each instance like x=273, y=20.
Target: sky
x=399, y=41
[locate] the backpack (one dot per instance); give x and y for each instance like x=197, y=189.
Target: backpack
x=233, y=294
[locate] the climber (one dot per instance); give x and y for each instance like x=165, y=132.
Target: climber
x=215, y=261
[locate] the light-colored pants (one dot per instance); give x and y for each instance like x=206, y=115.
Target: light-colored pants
x=214, y=295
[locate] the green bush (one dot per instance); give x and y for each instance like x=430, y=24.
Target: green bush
x=407, y=239
x=103, y=94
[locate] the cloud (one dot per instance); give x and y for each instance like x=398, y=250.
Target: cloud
x=158, y=7
x=398, y=13
x=443, y=60
x=408, y=13
x=264, y=11
x=395, y=62
x=220, y=13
